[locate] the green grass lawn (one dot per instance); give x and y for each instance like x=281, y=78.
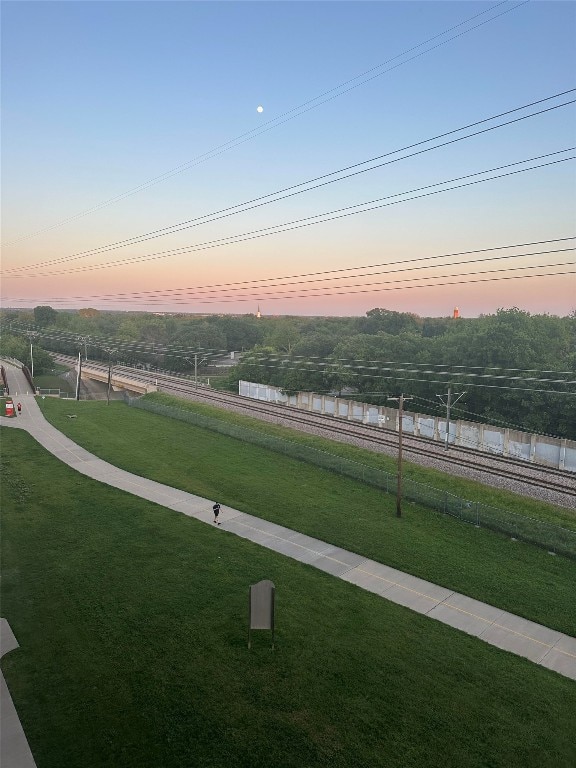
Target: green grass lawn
x=511, y=575
x=132, y=625
x=459, y=486
x=52, y=381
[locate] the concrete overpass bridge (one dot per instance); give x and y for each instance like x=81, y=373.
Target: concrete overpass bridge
x=119, y=379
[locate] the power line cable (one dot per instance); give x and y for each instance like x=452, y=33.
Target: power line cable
x=254, y=203
x=321, y=218
x=167, y=292
x=187, y=295
x=159, y=296
x=393, y=375
x=378, y=290
x=488, y=419
x=341, y=363
x=275, y=294
x=431, y=381
x=299, y=360
x=283, y=118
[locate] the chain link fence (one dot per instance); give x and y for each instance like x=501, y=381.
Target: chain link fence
x=553, y=538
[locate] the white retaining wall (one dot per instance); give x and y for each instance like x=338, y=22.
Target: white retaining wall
x=550, y=451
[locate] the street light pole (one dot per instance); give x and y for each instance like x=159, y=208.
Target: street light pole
x=31, y=337
x=84, y=340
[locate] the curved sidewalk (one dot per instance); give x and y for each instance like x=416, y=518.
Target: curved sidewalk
x=539, y=644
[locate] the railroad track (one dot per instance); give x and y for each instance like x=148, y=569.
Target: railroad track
x=550, y=478
x=485, y=464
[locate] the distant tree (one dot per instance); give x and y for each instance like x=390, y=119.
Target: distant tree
x=88, y=312
x=200, y=334
x=19, y=348
x=44, y=315
x=261, y=364
x=435, y=326
x=283, y=334
x=320, y=344
x=240, y=332
x=390, y=322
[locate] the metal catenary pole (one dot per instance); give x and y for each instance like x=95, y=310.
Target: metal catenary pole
x=449, y=404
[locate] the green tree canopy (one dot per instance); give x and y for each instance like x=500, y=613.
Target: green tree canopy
x=45, y=315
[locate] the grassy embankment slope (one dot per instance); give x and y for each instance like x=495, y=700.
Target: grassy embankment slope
x=511, y=575
x=132, y=625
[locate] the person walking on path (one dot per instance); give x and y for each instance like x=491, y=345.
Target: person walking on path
x=216, y=510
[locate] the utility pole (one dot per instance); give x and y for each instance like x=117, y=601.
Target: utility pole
x=449, y=404
x=401, y=401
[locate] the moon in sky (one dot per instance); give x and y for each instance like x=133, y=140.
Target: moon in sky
x=259, y=109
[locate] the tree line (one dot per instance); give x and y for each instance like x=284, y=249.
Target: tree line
x=514, y=367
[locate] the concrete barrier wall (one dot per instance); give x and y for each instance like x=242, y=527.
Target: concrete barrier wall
x=539, y=449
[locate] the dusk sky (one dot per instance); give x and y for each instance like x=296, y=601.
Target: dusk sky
x=124, y=118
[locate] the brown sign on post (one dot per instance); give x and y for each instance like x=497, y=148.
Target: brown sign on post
x=261, y=608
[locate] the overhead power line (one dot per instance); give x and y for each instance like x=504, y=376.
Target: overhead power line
x=331, y=360
x=160, y=295
x=393, y=376
x=339, y=213
x=285, y=117
x=340, y=364
x=273, y=293
x=282, y=357
x=489, y=419
x=342, y=273
x=279, y=195
x=313, y=292
x=371, y=372
x=271, y=290
x=399, y=288
x=368, y=290
x=99, y=342
x=322, y=364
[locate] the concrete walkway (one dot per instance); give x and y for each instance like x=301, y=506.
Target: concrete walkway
x=14, y=749
x=541, y=645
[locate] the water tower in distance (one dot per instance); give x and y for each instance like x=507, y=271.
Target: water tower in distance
x=456, y=313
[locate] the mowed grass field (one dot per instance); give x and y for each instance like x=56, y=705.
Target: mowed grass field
x=509, y=574
x=132, y=622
